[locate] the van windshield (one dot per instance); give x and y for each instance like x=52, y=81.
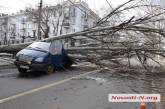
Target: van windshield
x=44, y=46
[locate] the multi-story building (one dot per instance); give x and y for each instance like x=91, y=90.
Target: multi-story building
x=56, y=20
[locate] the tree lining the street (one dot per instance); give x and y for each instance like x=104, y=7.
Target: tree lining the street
x=47, y=13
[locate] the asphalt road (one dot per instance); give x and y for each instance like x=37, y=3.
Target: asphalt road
x=76, y=88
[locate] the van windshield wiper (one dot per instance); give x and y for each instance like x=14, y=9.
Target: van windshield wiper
x=39, y=48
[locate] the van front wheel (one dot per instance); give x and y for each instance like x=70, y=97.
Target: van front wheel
x=22, y=72
x=50, y=69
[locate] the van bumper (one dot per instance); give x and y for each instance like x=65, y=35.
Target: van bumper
x=34, y=67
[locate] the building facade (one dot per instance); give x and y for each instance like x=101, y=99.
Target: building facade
x=56, y=20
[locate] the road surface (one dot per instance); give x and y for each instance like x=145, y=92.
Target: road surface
x=76, y=88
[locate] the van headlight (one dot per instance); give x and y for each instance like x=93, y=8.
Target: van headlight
x=40, y=59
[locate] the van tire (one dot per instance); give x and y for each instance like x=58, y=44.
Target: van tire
x=50, y=69
x=22, y=72
x=69, y=63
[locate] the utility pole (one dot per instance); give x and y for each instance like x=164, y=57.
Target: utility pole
x=39, y=20
x=24, y=30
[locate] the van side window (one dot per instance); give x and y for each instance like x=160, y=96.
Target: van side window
x=56, y=47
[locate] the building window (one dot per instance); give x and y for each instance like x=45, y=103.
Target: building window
x=86, y=16
x=28, y=34
x=73, y=21
x=34, y=33
x=74, y=12
x=66, y=13
x=35, y=25
x=67, y=31
x=73, y=30
x=12, y=41
x=29, y=26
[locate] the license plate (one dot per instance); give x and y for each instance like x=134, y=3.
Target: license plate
x=25, y=67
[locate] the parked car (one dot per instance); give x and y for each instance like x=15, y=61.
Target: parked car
x=42, y=56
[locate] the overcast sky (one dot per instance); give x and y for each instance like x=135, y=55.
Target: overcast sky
x=12, y=6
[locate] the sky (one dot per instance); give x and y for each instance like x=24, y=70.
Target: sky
x=13, y=6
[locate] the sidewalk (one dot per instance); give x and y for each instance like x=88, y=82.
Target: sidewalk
x=6, y=63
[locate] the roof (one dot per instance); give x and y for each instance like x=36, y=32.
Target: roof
x=83, y=5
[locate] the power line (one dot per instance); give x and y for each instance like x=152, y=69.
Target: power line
x=77, y=6
x=112, y=9
x=109, y=4
x=39, y=19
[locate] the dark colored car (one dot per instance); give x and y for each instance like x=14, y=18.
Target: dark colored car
x=42, y=56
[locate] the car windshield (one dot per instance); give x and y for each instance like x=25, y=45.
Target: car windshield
x=39, y=46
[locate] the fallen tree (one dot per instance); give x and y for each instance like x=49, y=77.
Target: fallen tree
x=127, y=36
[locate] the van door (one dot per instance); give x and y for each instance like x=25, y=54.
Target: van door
x=55, y=49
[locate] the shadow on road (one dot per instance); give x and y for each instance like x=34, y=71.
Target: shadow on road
x=32, y=74
x=38, y=74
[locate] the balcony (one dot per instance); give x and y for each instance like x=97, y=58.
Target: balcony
x=66, y=24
